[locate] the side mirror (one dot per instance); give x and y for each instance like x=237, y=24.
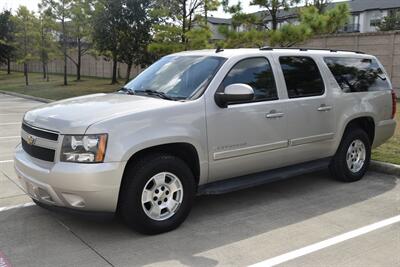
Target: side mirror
x=237, y=92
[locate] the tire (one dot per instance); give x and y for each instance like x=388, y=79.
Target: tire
x=346, y=165
x=144, y=180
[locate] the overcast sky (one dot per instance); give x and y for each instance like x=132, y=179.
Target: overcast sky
x=32, y=5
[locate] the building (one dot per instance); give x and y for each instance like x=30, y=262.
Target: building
x=214, y=24
x=365, y=15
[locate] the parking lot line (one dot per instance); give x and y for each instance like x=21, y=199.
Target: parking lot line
x=6, y=161
x=29, y=204
x=9, y=137
x=327, y=243
x=9, y=123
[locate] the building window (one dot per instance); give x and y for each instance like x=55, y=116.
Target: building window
x=374, y=22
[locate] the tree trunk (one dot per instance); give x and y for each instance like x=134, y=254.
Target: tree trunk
x=47, y=73
x=8, y=65
x=26, y=74
x=114, y=70
x=184, y=22
x=65, y=51
x=206, y=12
x=128, y=72
x=78, y=66
x=44, y=70
x=274, y=22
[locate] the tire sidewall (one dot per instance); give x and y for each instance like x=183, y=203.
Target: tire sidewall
x=132, y=208
x=351, y=136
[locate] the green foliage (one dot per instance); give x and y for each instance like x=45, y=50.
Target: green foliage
x=47, y=47
x=26, y=35
x=7, y=28
x=198, y=38
x=312, y=22
x=289, y=34
x=181, y=25
x=166, y=40
x=336, y=17
x=390, y=23
x=235, y=39
x=273, y=7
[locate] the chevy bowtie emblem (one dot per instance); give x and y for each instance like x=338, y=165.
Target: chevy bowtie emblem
x=31, y=140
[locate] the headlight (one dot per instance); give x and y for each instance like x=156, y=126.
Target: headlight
x=84, y=148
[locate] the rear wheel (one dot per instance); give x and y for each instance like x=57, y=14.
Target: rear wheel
x=157, y=194
x=352, y=158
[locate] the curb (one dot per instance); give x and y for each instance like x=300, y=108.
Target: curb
x=40, y=99
x=384, y=167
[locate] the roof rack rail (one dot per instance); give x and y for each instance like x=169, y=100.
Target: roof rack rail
x=267, y=48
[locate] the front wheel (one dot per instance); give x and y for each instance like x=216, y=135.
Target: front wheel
x=157, y=194
x=352, y=158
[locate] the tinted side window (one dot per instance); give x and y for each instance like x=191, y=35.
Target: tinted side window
x=257, y=73
x=302, y=76
x=357, y=74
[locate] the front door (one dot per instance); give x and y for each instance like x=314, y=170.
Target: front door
x=247, y=137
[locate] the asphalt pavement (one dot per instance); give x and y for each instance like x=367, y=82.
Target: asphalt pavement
x=309, y=220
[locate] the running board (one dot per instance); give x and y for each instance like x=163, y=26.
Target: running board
x=252, y=180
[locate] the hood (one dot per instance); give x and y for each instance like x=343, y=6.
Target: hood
x=75, y=115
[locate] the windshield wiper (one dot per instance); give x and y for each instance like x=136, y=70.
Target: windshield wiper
x=126, y=90
x=155, y=93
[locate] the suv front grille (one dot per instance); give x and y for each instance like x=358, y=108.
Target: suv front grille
x=39, y=133
x=38, y=152
x=43, y=145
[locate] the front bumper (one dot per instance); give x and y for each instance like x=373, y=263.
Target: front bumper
x=80, y=186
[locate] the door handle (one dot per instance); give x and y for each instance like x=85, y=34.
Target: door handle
x=274, y=114
x=324, y=107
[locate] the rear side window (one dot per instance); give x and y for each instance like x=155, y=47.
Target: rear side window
x=257, y=73
x=357, y=74
x=302, y=76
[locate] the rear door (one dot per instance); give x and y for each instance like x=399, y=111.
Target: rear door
x=310, y=109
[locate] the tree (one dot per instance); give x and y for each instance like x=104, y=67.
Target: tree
x=61, y=11
x=136, y=34
x=47, y=47
x=181, y=25
x=107, y=29
x=319, y=4
x=273, y=7
x=311, y=23
x=390, y=23
x=79, y=29
x=7, y=29
x=26, y=36
x=245, y=30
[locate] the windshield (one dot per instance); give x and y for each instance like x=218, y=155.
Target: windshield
x=176, y=77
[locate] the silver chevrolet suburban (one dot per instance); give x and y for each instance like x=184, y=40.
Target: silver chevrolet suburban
x=206, y=122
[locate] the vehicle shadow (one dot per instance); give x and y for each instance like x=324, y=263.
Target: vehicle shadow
x=221, y=220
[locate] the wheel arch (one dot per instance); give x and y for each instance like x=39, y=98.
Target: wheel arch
x=366, y=123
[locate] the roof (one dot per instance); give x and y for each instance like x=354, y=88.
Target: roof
x=364, y=5
x=214, y=20
x=228, y=53
x=356, y=6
